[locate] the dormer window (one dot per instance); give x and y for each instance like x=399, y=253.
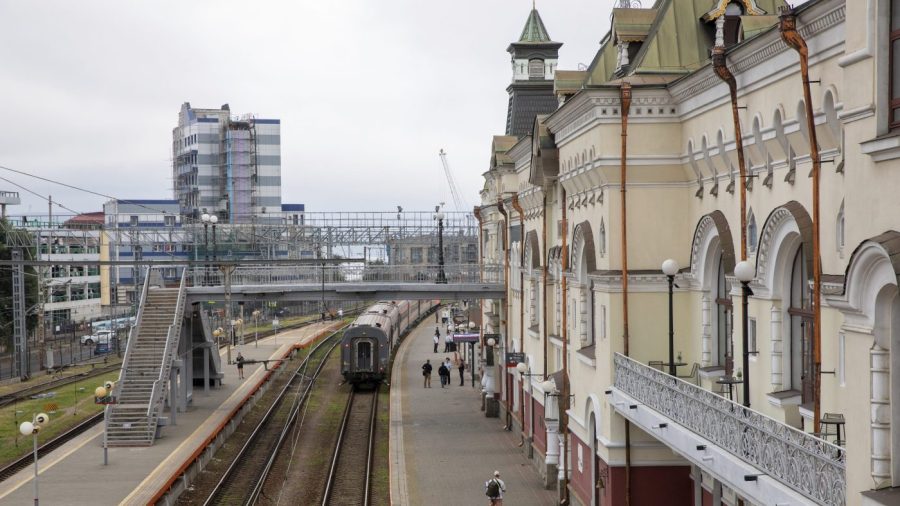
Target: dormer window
x=536, y=69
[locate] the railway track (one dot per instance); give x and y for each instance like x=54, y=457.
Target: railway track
x=243, y=479
x=351, y=465
x=28, y=459
x=50, y=385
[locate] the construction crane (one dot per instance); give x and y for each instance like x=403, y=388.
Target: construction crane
x=458, y=200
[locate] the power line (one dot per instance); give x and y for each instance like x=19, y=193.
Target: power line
x=39, y=195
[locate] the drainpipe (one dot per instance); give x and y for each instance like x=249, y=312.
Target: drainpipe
x=564, y=394
x=477, y=212
x=625, y=97
x=545, y=274
x=518, y=208
x=721, y=68
x=503, y=387
x=792, y=38
x=720, y=65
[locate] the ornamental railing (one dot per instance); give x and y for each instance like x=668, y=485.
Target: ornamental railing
x=807, y=464
x=348, y=273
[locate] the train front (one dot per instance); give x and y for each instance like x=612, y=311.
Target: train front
x=364, y=349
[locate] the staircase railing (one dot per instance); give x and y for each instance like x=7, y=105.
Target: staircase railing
x=173, y=336
x=129, y=346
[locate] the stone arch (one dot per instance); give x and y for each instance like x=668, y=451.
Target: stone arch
x=583, y=247
x=872, y=303
x=709, y=226
x=781, y=225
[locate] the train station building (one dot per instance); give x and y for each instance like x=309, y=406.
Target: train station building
x=740, y=155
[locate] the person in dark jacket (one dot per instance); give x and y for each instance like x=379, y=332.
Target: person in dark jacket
x=462, y=367
x=426, y=372
x=444, y=374
x=240, y=365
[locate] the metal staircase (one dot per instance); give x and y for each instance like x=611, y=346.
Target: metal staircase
x=152, y=347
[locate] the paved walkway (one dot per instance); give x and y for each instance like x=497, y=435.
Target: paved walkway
x=75, y=474
x=442, y=447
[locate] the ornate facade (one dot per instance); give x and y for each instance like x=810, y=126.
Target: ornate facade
x=585, y=232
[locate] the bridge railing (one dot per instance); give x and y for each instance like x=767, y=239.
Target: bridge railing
x=350, y=273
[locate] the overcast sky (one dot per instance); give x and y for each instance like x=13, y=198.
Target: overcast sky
x=367, y=91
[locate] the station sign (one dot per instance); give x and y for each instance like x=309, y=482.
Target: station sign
x=514, y=358
x=465, y=338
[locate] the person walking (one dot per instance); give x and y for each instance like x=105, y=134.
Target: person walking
x=494, y=489
x=240, y=365
x=426, y=372
x=442, y=372
x=449, y=366
x=462, y=367
x=448, y=342
x=437, y=338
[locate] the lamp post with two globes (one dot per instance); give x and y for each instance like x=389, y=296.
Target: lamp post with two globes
x=103, y=395
x=38, y=422
x=441, y=276
x=255, y=315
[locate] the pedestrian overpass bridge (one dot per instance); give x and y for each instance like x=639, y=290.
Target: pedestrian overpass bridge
x=343, y=282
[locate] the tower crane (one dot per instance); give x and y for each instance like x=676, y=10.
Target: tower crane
x=458, y=200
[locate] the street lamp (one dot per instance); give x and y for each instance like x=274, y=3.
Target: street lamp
x=103, y=395
x=670, y=269
x=441, y=277
x=32, y=428
x=213, y=219
x=205, y=218
x=744, y=271
x=255, y=315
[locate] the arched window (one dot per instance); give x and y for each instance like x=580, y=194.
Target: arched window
x=839, y=228
x=801, y=316
x=752, y=233
x=536, y=68
x=723, y=307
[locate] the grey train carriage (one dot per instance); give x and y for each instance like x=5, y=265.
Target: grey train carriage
x=367, y=343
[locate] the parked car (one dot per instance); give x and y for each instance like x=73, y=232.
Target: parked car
x=101, y=337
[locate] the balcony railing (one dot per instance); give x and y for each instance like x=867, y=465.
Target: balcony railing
x=316, y=274
x=807, y=464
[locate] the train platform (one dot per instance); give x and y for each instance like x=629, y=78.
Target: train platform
x=442, y=447
x=74, y=474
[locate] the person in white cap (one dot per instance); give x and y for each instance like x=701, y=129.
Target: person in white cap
x=494, y=489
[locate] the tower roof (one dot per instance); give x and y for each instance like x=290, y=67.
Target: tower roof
x=534, y=30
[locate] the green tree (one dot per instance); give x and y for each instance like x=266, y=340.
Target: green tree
x=8, y=236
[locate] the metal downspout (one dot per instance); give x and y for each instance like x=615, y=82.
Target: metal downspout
x=477, y=212
x=793, y=39
x=720, y=65
x=518, y=208
x=505, y=242
x=625, y=97
x=545, y=273
x=564, y=394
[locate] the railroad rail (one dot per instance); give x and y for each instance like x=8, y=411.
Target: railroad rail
x=239, y=483
x=351, y=464
x=27, y=392
x=26, y=460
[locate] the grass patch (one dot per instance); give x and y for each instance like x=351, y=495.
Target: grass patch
x=70, y=405
x=42, y=377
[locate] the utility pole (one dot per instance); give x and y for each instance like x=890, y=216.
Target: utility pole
x=20, y=336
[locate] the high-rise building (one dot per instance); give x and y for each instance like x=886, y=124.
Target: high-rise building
x=534, y=61
x=226, y=165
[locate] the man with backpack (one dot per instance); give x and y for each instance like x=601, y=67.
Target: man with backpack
x=494, y=489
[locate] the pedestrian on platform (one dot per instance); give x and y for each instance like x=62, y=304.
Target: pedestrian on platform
x=240, y=365
x=448, y=342
x=494, y=489
x=442, y=372
x=437, y=338
x=462, y=367
x=426, y=372
x=449, y=366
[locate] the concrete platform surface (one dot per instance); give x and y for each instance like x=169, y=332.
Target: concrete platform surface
x=442, y=448
x=75, y=475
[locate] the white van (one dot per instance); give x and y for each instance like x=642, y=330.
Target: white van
x=101, y=337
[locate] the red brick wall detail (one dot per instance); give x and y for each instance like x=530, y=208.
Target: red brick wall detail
x=650, y=486
x=540, y=431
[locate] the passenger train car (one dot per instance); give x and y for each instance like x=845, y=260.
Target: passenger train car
x=368, y=342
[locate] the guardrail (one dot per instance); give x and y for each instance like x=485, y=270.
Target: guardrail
x=173, y=337
x=805, y=463
x=348, y=273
